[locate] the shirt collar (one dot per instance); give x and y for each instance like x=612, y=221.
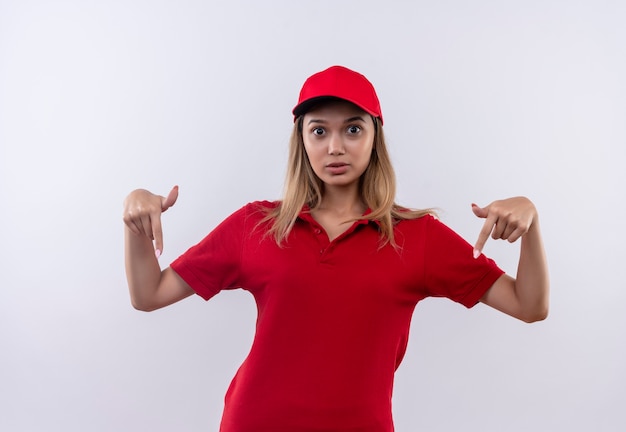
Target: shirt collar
x=305, y=215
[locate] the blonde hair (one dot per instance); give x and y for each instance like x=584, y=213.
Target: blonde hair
x=377, y=187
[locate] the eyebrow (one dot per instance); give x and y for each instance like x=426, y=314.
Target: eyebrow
x=349, y=120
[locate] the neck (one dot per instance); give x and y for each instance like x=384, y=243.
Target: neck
x=342, y=201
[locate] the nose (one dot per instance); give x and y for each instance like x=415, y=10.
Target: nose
x=335, y=145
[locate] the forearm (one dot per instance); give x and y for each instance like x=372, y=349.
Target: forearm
x=143, y=272
x=532, y=283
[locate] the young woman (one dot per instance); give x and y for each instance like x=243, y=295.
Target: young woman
x=336, y=269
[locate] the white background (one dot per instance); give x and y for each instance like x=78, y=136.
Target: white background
x=482, y=100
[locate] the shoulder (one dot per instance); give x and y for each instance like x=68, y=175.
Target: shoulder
x=423, y=221
x=427, y=226
x=246, y=219
x=255, y=207
x=260, y=209
x=255, y=210
x=257, y=213
x=263, y=205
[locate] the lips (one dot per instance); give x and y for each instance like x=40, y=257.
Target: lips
x=337, y=168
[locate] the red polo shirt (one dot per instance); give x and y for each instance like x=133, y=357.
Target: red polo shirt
x=333, y=317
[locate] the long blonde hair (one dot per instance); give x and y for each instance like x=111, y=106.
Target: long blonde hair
x=377, y=187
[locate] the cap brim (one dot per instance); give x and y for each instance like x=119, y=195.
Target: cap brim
x=308, y=104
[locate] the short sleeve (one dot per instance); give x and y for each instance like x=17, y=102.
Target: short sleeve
x=451, y=270
x=214, y=264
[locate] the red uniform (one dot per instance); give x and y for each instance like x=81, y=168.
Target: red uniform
x=333, y=317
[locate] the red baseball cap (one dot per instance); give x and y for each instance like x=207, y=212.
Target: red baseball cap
x=341, y=83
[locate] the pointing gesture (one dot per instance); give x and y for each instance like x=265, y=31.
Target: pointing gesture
x=507, y=219
x=142, y=214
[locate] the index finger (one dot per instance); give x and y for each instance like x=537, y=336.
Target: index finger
x=157, y=233
x=490, y=221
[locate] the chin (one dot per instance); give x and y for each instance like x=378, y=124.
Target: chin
x=339, y=182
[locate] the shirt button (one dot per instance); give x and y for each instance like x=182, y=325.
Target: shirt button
x=318, y=231
x=321, y=251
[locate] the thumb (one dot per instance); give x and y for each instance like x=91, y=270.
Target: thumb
x=479, y=211
x=170, y=200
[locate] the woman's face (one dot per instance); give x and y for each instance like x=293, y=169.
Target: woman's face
x=338, y=139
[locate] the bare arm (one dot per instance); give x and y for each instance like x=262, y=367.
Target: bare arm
x=150, y=288
x=527, y=296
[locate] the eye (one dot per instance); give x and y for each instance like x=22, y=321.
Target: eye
x=318, y=131
x=354, y=129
